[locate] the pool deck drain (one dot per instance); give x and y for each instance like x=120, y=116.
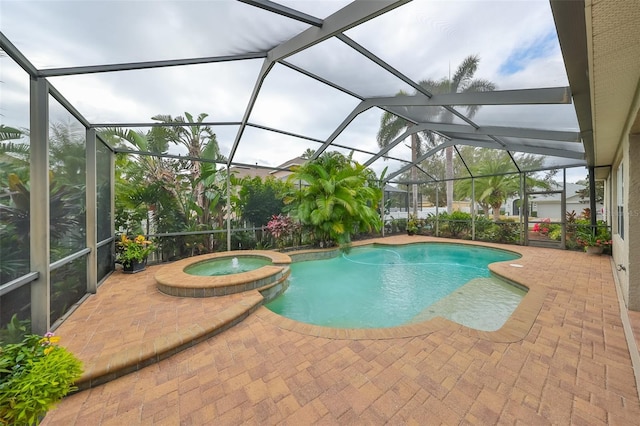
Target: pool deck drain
x=560, y=359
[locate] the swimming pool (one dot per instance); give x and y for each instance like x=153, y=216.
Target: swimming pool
x=388, y=286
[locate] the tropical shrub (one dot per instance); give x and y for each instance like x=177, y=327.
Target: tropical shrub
x=15, y=330
x=258, y=200
x=555, y=232
x=483, y=223
x=338, y=197
x=34, y=375
x=413, y=225
x=456, y=224
x=506, y=231
x=243, y=240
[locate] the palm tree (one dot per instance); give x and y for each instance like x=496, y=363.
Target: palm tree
x=200, y=141
x=461, y=82
x=391, y=126
x=308, y=153
x=340, y=196
x=14, y=155
x=496, y=181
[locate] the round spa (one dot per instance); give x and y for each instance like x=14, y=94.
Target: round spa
x=227, y=265
x=221, y=274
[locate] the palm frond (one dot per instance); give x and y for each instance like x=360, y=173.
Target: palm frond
x=14, y=148
x=479, y=85
x=391, y=126
x=464, y=74
x=9, y=133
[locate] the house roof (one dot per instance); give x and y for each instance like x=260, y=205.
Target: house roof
x=571, y=195
x=281, y=171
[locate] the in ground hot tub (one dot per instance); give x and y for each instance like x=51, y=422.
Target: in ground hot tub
x=227, y=265
x=218, y=274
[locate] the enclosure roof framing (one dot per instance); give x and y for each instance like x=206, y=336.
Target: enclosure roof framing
x=333, y=62
x=550, y=95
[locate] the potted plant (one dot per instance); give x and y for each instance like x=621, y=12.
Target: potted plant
x=35, y=374
x=594, y=244
x=412, y=225
x=132, y=253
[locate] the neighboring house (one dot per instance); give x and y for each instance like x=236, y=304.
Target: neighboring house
x=280, y=172
x=548, y=206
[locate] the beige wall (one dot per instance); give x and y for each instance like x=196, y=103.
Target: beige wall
x=632, y=225
x=626, y=252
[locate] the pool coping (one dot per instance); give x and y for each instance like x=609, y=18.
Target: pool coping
x=515, y=328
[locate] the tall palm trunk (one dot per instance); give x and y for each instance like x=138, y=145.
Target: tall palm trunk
x=195, y=150
x=496, y=211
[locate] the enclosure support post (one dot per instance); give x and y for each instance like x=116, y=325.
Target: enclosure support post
x=91, y=211
x=382, y=209
x=472, y=209
x=112, y=205
x=228, y=210
x=524, y=211
x=437, y=214
x=408, y=204
x=563, y=210
x=39, y=207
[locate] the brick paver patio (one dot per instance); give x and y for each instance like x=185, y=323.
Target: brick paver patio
x=568, y=363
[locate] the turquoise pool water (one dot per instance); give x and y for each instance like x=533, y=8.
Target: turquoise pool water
x=226, y=266
x=387, y=286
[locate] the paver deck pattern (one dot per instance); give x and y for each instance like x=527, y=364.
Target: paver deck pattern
x=570, y=366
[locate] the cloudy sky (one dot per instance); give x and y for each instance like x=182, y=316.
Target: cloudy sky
x=424, y=39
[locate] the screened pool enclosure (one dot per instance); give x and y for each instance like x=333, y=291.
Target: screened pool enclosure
x=437, y=98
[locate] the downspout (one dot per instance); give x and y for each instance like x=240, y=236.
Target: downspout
x=592, y=200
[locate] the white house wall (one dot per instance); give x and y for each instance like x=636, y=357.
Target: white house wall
x=550, y=210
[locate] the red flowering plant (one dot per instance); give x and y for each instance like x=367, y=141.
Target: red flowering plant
x=542, y=227
x=281, y=228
